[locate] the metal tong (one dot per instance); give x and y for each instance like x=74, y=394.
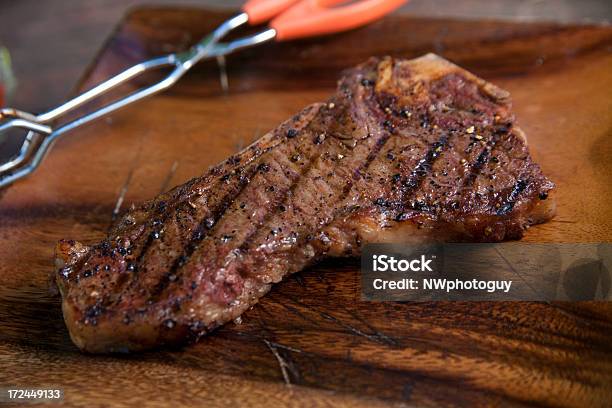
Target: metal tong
x=288, y=19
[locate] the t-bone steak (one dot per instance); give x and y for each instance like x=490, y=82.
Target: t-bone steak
x=405, y=151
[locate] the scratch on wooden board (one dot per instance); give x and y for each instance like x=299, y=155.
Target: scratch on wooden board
x=122, y=194
x=387, y=339
x=240, y=143
x=375, y=336
x=223, y=73
x=551, y=304
x=284, y=366
x=296, y=312
x=166, y=182
x=128, y=179
x=282, y=346
x=513, y=269
x=299, y=279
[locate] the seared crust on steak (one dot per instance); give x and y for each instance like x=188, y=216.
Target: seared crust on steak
x=405, y=151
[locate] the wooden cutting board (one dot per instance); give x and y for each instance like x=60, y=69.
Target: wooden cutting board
x=311, y=341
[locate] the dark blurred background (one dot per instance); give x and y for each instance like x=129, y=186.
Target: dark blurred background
x=52, y=41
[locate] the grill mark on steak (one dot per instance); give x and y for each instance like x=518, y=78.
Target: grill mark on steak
x=482, y=159
x=163, y=224
x=279, y=197
x=422, y=169
x=322, y=242
x=504, y=149
x=302, y=183
x=232, y=171
x=405, y=151
x=508, y=204
x=295, y=183
x=407, y=204
x=166, y=215
x=356, y=173
x=259, y=236
x=205, y=225
x=342, y=209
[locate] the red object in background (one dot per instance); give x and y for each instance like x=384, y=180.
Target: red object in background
x=7, y=80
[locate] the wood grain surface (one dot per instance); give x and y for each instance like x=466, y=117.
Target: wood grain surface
x=311, y=341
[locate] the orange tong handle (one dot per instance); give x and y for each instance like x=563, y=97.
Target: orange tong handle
x=260, y=11
x=315, y=17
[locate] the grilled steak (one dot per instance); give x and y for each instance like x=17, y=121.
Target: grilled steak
x=405, y=151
